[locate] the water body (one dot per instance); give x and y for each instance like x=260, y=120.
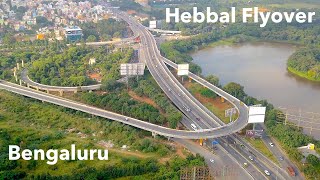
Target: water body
x=261, y=69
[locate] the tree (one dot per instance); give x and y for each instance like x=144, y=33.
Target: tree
x=8, y=39
x=235, y=90
x=42, y=21
x=213, y=80
x=117, y=35
x=111, y=85
x=312, y=159
x=91, y=38
x=106, y=37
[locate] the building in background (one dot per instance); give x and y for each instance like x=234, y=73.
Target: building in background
x=73, y=33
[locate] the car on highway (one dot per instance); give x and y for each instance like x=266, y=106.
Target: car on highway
x=194, y=127
x=251, y=158
x=271, y=144
x=245, y=164
x=281, y=158
x=127, y=119
x=212, y=160
x=267, y=172
x=198, y=119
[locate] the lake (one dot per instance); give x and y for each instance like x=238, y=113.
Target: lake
x=261, y=68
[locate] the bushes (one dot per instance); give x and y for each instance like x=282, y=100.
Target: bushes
x=208, y=93
x=149, y=88
x=313, y=160
x=71, y=67
x=104, y=30
x=122, y=103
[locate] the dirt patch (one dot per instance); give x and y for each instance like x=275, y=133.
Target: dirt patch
x=145, y=99
x=179, y=152
x=95, y=76
x=214, y=101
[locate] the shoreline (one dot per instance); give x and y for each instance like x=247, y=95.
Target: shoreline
x=302, y=75
x=229, y=42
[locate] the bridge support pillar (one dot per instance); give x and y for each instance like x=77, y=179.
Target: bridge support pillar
x=75, y=92
x=16, y=78
x=90, y=91
x=61, y=93
x=22, y=63
x=190, y=80
x=48, y=91
x=20, y=82
x=18, y=66
x=37, y=88
x=222, y=99
x=28, y=85
x=154, y=134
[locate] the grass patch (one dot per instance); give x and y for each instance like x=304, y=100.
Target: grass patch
x=32, y=124
x=261, y=147
x=214, y=103
x=303, y=75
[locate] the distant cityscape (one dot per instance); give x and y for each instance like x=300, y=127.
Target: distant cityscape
x=21, y=15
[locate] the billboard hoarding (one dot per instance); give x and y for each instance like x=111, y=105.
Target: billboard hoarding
x=256, y=114
x=183, y=69
x=133, y=69
x=153, y=24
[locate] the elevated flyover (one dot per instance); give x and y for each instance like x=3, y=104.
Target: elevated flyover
x=207, y=133
x=25, y=78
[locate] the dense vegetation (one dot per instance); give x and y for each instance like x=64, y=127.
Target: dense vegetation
x=104, y=30
x=118, y=100
x=306, y=61
x=71, y=67
x=149, y=88
x=33, y=125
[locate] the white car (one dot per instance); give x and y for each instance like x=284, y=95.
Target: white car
x=211, y=160
x=267, y=172
x=251, y=158
x=271, y=144
x=194, y=127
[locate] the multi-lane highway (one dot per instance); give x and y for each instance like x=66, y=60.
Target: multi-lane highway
x=209, y=126
x=196, y=110
x=181, y=97
x=175, y=91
